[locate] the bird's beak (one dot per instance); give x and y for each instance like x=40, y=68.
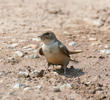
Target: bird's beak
x=40, y=36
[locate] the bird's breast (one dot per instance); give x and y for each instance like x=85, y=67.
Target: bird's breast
x=50, y=50
x=53, y=54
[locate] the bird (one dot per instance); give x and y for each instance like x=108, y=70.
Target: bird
x=55, y=52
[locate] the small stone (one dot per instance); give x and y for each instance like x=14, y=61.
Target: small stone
x=30, y=47
x=1, y=73
x=13, y=40
x=94, y=44
x=19, y=53
x=34, y=73
x=39, y=87
x=33, y=56
x=11, y=93
x=55, y=73
x=106, y=46
x=18, y=85
x=87, y=83
x=72, y=43
x=92, y=39
x=1, y=60
x=40, y=73
x=27, y=88
x=105, y=51
x=95, y=22
x=23, y=74
x=56, y=89
x=1, y=81
x=14, y=45
x=65, y=32
x=36, y=39
x=20, y=41
x=65, y=86
x=100, y=95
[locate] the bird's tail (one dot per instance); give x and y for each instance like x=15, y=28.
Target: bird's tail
x=75, y=52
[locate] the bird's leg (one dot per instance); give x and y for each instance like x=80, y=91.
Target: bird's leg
x=64, y=69
x=48, y=65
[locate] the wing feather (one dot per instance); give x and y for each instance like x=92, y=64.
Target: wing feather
x=64, y=49
x=41, y=51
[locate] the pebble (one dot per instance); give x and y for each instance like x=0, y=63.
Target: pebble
x=1, y=73
x=10, y=93
x=23, y=74
x=106, y=46
x=34, y=73
x=21, y=41
x=32, y=56
x=92, y=39
x=56, y=89
x=1, y=60
x=93, y=21
x=39, y=87
x=27, y=88
x=105, y=51
x=19, y=53
x=65, y=32
x=65, y=86
x=87, y=83
x=30, y=47
x=55, y=73
x=1, y=81
x=94, y=44
x=14, y=45
x=13, y=40
x=18, y=85
x=36, y=39
x=72, y=43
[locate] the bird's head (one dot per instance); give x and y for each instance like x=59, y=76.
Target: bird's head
x=48, y=37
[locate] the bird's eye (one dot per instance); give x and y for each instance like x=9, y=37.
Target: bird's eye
x=47, y=34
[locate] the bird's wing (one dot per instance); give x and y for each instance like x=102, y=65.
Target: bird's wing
x=63, y=49
x=41, y=51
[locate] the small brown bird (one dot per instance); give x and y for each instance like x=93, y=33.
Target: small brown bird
x=55, y=52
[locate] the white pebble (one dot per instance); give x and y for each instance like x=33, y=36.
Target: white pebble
x=33, y=56
x=19, y=53
x=14, y=45
x=72, y=43
x=92, y=39
x=18, y=85
x=105, y=51
x=36, y=39
x=27, y=88
x=1, y=73
x=35, y=73
x=65, y=86
x=38, y=87
x=23, y=74
x=106, y=46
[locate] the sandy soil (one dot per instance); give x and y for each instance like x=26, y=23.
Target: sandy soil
x=23, y=77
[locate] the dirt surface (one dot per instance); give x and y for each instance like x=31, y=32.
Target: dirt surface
x=86, y=23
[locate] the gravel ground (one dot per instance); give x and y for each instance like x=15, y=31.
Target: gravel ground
x=79, y=24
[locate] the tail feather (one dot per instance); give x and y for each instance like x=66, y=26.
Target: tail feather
x=75, y=52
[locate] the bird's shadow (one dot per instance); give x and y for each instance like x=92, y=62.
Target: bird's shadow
x=71, y=72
